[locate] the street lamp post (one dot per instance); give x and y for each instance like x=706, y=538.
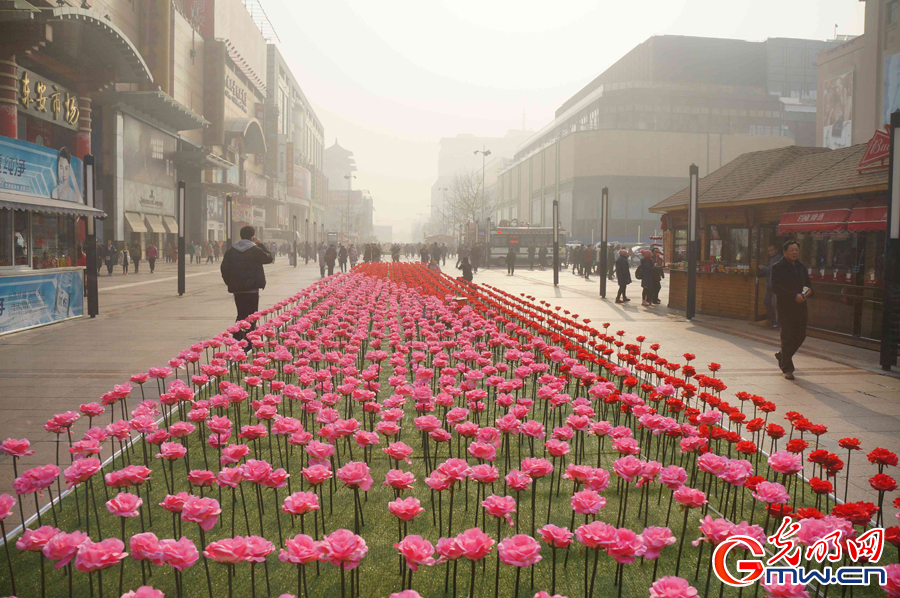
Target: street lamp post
x=604, y=229
x=306, y=241
x=90, y=240
x=181, y=224
x=315, y=247
x=556, y=242
x=484, y=154
x=693, y=246
x=295, y=241
x=890, y=327
x=349, y=177
x=229, y=225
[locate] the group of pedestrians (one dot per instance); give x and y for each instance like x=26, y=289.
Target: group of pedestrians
x=512, y=257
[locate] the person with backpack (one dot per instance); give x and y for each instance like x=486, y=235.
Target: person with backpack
x=243, y=273
x=644, y=273
x=623, y=276
x=135, y=254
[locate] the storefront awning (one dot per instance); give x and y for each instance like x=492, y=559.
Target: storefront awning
x=251, y=131
x=171, y=224
x=158, y=106
x=135, y=222
x=868, y=215
x=820, y=217
x=28, y=203
x=154, y=223
x=84, y=37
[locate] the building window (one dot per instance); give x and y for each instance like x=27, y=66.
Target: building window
x=892, y=10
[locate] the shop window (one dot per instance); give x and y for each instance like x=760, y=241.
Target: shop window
x=6, y=245
x=53, y=241
x=21, y=238
x=680, y=248
x=729, y=249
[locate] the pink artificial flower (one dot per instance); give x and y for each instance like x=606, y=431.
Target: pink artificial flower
x=587, y=502
x=714, y=531
x=771, y=493
x=125, y=504
x=316, y=474
x=406, y=509
x=230, y=477
x=785, y=463
x=399, y=451
x=416, y=550
x=474, y=544
x=448, y=549
x=787, y=590
x=515, y=479
x=202, y=511
x=16, y=448
x=228, y=551
x=655, y=539
x=399, y=480
x=179, y=554
x=171, y=451
x=63, y=547
x=146, y=547
x=256, y=471
x=174, y=503
x=596, y=535
x=536, y=468
x=628, y=468
x=144, y=592
x=94, y=556
x=343, y=548
x=300, y=503
x=628, y=546
x=258, y=548
x=201, y=477
x=81, y=470
x=299, y=550
x=557, y=537
x=673, y=477
x=672, y=587
x=520, y=550
x=500, y=506
x=355, y=474
x=689, y=497
x=7, y=502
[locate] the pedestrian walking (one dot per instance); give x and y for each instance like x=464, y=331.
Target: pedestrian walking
x=658, y=275
x=208, y=252
x=342, y=257
x=475, y=257
x=463, y=252
x=623, y=276
x=321, y=253
x=611, y=259
x=588, y=266
x=330, y=257
x=353, y=254
x=466, y=268
x=542, y=257
x=189, y=248
x=123, y=259
x=243, y=273
x=135, y=254
x=152, y=253
x=531, y=257
x=644, y=273
x=216, y=250
x=511, y=261
x=791, y=285
x=110, y=256
x=769, y=298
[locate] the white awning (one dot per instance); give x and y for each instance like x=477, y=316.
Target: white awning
x=30, y=203
x=135, y=222
x=154, y=223
x=171, y=224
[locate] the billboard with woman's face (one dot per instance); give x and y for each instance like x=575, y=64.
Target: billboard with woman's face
x=838, y=110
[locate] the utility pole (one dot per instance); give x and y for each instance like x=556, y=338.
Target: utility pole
x=484, y=154
x=349, y=177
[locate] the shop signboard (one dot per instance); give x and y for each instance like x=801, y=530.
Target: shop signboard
x=31, y=169
x=838, y=110
x=299, y=185
x=256, y=185
x=259, y=215
x=214, y=209
x=33, y=300
x=202, y=16
x=241, y=212
x=46, y=100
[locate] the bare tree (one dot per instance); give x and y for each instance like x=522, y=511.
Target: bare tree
x=467, y=202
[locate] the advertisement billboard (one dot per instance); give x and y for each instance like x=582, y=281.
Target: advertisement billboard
x=838, y=110
x=148, y=154
x=31, y=169
x=214, y=209
x=27, y=301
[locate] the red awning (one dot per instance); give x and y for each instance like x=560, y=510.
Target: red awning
x=821, y=217
x=868, y=215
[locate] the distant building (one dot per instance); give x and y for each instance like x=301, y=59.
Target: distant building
x=384, y=233
x=638, y=126
x=339, y=162
x=859, y=80
x=457, y=155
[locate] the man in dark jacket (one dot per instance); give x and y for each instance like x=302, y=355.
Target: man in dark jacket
x=242, y=270
x=342, y=258
x=330, y=256
x=587, y=261
x=790, y=283
x=542, y=257
x=623, y=276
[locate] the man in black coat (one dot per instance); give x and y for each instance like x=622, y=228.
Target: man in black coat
x=790, y=283
x=623, y=276
x=242, y=270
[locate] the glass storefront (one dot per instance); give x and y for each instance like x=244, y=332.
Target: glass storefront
x=38, y=240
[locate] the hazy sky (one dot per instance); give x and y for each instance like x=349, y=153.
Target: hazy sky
x=389, y=78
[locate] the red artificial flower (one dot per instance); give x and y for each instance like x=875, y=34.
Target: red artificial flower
x=892, y=535
x=857, y=513
x=882, y=457
x=774, y=431
x=851, y=444
x=883, y=483
x=820, y=486
x=714, y=367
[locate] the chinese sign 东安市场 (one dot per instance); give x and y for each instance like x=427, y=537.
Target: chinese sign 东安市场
x=44, y=99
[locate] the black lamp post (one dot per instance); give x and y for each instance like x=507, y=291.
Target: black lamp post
x=693, y=243
x=604, y=229
x=890, y=319
x=90, y=240
x=181, y=224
